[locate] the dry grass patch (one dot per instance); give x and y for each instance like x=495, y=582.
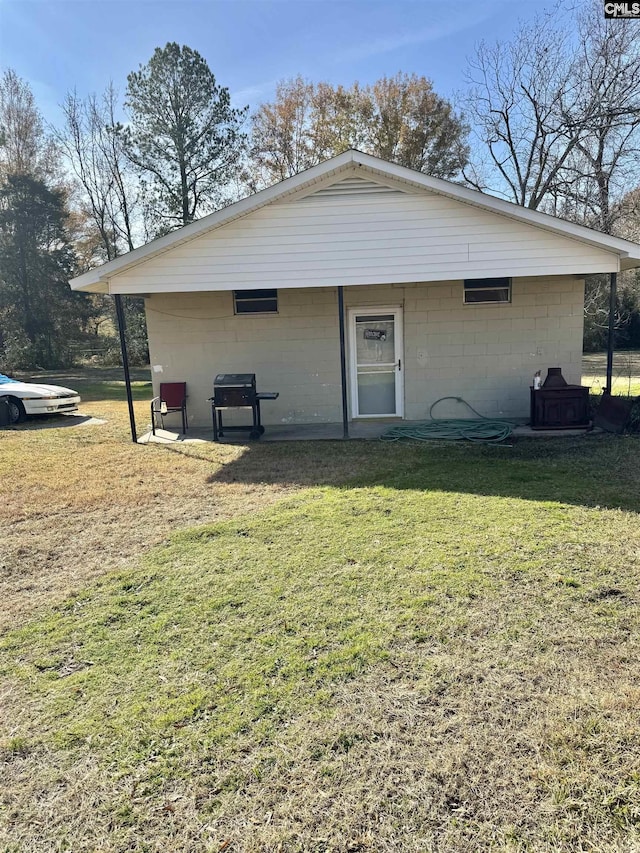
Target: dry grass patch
x=79, y=501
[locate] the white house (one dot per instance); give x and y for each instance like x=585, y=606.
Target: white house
x=443, y=291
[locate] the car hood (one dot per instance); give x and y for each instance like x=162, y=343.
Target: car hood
x=29, y=390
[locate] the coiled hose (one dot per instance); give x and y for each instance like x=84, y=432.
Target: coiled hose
x=482, y=431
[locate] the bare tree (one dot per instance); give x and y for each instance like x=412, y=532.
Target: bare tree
x=25, y=148
x=521, y=103
x=107, y=193
x=607, y=160
x=92, y=142
x=557, y=116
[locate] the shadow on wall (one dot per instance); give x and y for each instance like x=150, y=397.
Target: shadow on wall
x=590, y=470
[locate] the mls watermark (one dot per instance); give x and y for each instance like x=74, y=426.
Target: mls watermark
x=630, y=9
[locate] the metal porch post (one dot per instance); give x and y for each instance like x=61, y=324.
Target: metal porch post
x=611, y=338
x=125, y=364
x=343, y=364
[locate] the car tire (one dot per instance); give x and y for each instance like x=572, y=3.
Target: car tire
x=17, y=413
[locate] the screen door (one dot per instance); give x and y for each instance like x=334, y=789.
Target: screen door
x=376, y=362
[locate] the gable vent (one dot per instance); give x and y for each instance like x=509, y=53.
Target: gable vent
x=352, y=187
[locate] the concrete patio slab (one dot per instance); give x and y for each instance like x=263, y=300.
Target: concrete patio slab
x=358, y=430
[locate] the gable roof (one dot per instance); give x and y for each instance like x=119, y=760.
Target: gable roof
x=96, y=280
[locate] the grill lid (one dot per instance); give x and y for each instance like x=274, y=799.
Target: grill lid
x=235, y=380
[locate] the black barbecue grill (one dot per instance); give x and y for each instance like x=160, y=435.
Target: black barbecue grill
x=237, y=391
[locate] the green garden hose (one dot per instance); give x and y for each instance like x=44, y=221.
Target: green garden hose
x=484, y=430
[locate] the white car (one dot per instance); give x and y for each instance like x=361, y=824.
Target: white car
x=27, y=398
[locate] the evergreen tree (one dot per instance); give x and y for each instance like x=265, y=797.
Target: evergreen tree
x=39, y=315
x=184, y=136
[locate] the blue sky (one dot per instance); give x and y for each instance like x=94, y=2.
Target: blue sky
x=58, y=45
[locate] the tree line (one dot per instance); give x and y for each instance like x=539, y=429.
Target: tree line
x=549, y=120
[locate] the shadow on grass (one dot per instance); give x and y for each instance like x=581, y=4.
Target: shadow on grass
x=40, y=422
x=590, y=470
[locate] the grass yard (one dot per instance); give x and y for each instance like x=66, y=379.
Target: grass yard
x=317, y=646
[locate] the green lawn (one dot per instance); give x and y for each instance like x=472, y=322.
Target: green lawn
x=417, y=648
x=98, y=384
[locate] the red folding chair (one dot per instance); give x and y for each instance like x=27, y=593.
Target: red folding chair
x=173, y=398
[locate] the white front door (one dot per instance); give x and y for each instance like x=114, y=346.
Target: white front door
x=375, y=339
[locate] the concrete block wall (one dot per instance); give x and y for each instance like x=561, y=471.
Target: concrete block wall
x=194, y=336
x=488, y=353
x=485, y=353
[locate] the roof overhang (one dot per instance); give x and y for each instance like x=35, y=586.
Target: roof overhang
x=97, y=280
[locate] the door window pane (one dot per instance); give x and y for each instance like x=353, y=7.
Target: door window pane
x=377, y=392
x=375, y=339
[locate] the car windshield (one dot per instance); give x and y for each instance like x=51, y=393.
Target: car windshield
x=4, y=379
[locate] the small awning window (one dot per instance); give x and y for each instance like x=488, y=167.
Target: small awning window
x=255, y=301
x=487, y=290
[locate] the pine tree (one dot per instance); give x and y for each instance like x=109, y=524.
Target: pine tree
x=184, y=136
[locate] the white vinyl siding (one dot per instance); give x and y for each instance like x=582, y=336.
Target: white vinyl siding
x=359, y=237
